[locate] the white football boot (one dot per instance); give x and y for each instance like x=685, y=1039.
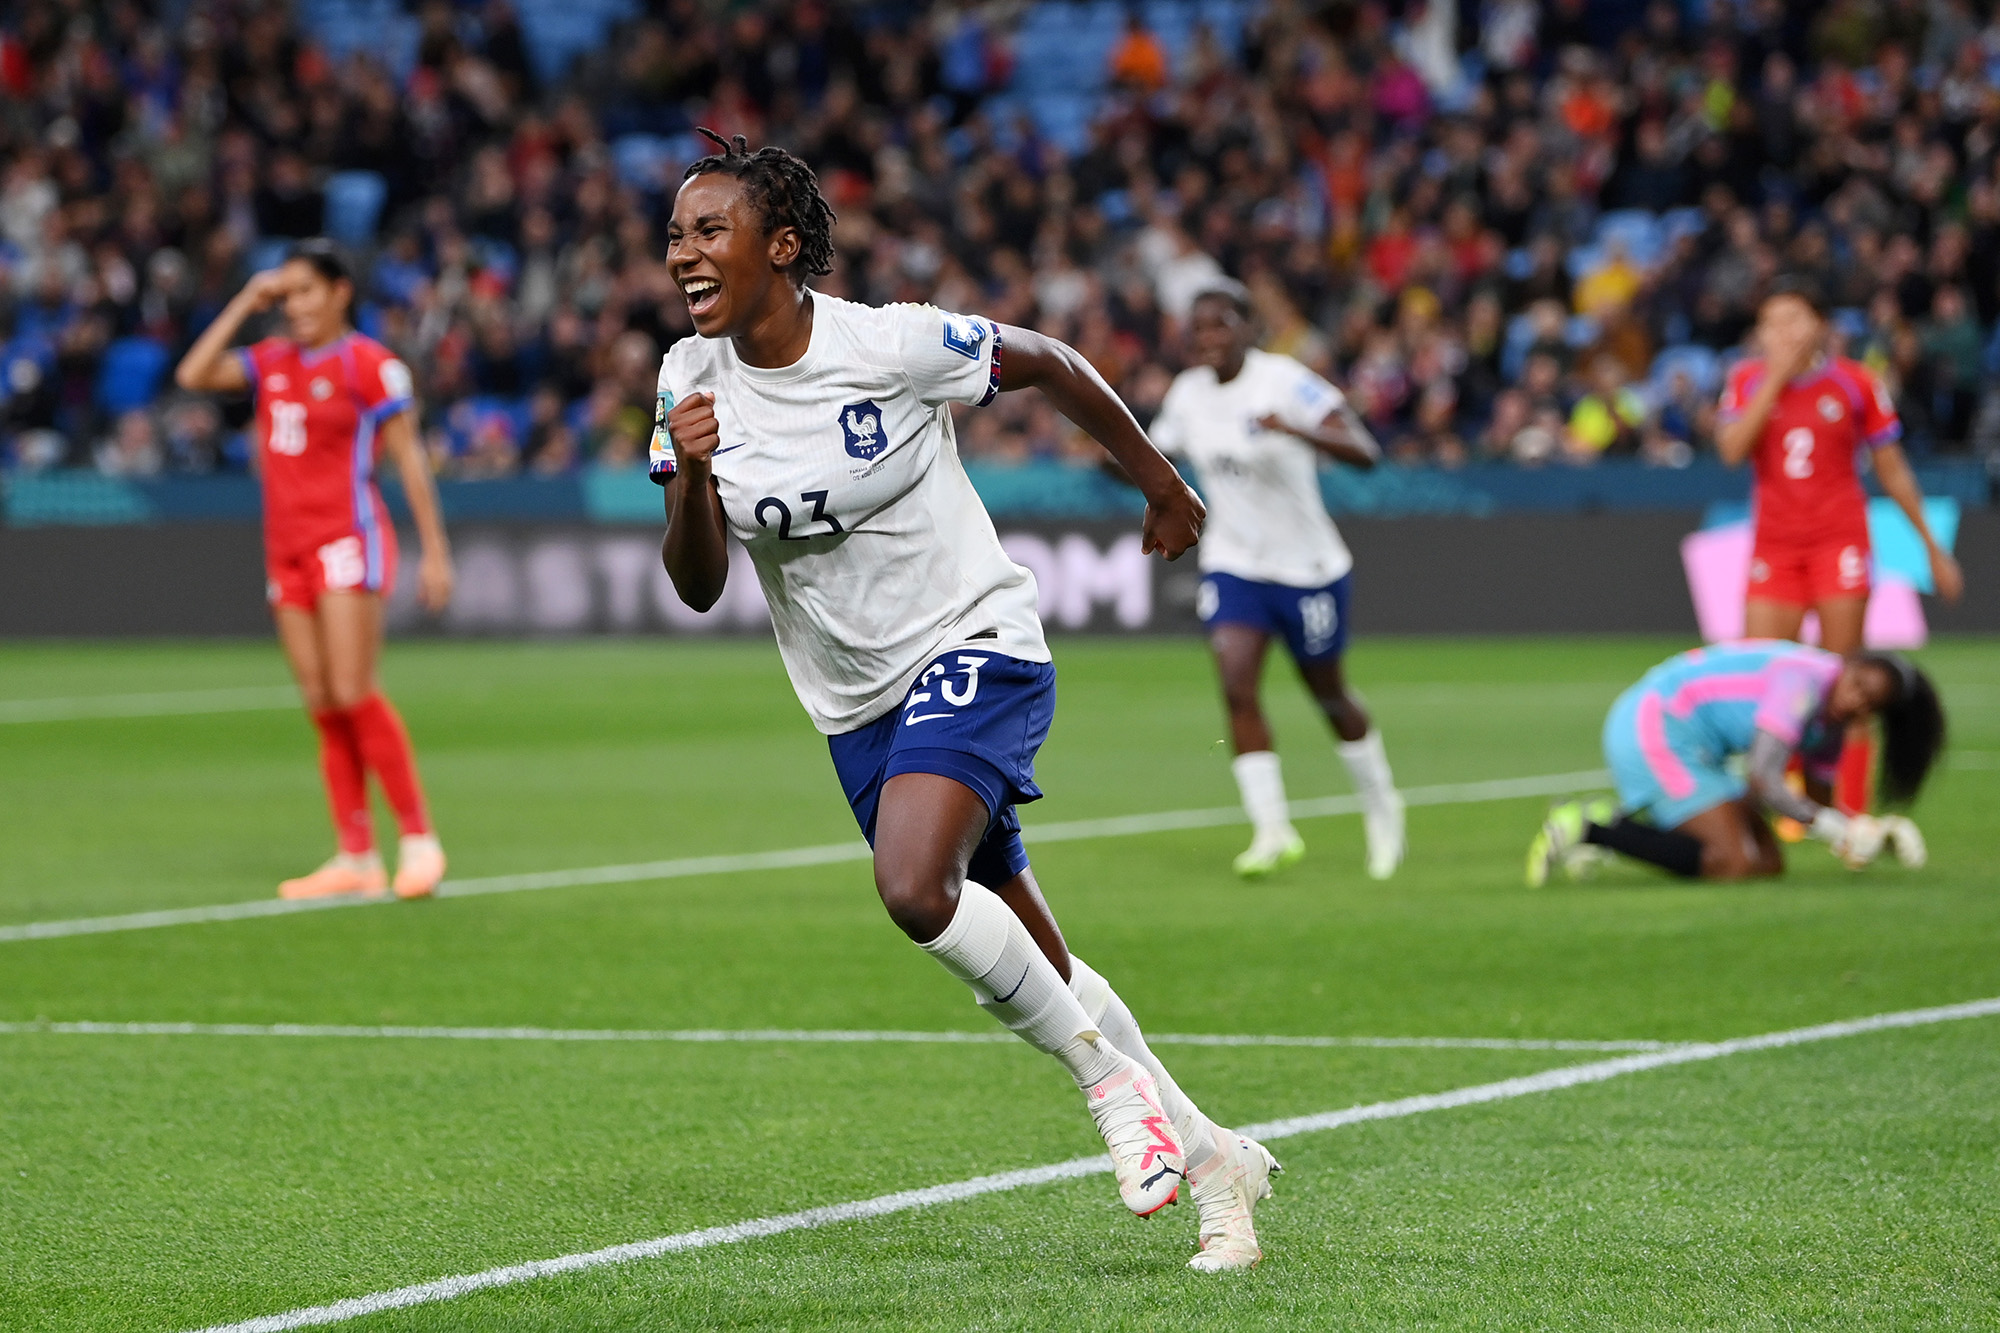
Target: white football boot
x=1225, y=1190
x=1270, y=851
x=1145, y=1151
x=1384, y=828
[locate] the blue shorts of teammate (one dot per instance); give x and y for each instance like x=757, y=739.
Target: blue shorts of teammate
x=975, y=717
x=1311, y=621
x=1663, y=771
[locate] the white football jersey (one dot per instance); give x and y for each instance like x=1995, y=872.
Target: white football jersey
x=840, y=474
x=1266, y=518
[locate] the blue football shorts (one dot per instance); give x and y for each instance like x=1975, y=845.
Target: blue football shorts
x=973, y=716
x=1311, y=621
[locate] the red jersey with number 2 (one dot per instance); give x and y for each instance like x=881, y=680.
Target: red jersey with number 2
x=319, y=411
x=1808, y=485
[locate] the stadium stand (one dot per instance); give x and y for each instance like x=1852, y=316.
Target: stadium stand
x=1506, y=228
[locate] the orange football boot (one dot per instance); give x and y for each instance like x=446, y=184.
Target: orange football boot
x=419, y=866
x=340, y=875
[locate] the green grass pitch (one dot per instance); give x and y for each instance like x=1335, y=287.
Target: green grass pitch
x=164, y=1183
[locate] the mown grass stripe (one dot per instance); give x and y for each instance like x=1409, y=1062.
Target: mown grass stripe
x=166, y=703
x=1075, y=830
x=825, y=1036
x=450, y=1288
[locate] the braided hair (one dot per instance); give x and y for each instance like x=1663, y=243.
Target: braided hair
x=782, y=188
x=1913, y=727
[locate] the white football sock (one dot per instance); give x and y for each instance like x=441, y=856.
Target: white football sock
x=359, y=861
x=1262, y=783
x=1368, y=764
x=1114, y=1019
x=988, y=948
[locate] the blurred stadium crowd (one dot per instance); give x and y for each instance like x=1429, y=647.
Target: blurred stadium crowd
x=1511, y=230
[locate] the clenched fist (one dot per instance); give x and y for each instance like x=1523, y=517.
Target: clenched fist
x=692, y=426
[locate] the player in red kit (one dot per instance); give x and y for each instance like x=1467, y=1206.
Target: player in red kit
x=1802, y=418
x=328, y=400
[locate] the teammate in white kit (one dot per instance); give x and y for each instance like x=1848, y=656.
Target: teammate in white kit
x=1255, y=425
x=818, y=432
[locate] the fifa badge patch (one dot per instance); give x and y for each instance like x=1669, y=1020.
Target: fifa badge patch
x=964, y=336
x=660, y=458
x=861, y=423
x=1829, y=407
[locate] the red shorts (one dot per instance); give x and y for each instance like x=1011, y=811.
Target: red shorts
x=360, y=561
x=1806, y=574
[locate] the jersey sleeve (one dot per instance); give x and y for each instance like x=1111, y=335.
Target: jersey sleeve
x=383, y=384
x=660, y=462
x=949, y=358
x=1878, y=420
x=257, y=358
x=1308, y=400
x=1736, y=390
x=1789, y=702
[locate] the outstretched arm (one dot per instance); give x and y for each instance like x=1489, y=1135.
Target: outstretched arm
x=1341, y=436
x=1855, y=839
x=208, y=367
x=695, y=551
x=1892, y=468
x=1769, y=757
x=1174, y=513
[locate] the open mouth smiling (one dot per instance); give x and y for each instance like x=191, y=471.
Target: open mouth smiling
x=702, y=294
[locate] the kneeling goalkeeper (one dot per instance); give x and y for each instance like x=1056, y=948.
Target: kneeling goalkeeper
x=1686, y=806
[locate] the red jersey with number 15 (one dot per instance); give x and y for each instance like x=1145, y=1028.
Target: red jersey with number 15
x=1808, y=485
x=318, y=413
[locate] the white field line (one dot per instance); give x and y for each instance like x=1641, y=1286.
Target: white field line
x=450, y=1288
x=173, y=703
x=1076, y=830
x=829, y=1036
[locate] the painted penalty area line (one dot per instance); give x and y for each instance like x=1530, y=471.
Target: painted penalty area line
x=1551, y=1080
x=1075, y=830
x=166, y=703
x=821, y=1036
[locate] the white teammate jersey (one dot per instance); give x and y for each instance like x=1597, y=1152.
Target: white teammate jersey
x=1266, y=519
x=840, y=474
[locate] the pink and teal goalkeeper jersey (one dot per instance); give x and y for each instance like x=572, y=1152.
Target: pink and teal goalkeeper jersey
x=1723, y=695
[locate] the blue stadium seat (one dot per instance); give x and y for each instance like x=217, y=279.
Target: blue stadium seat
x=130, y=373
x=1064, y=118
x=641, y=160
x=354, y=206
x=1678, y=222
x=1701, y=364
x=1583, y=260
x=1637, y=230
x=269, y=253
x=1514, y=346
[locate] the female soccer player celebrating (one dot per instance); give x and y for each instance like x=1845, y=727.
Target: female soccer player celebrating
x=1255, y=425
x=818, y=432
x=1801, y=416
x=325, y=394
x=1669, y=741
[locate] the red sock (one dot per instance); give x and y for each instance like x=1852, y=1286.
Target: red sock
x=386, y=747
x=1854, y=776
x=346, y=785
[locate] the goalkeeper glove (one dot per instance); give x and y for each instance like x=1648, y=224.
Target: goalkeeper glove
x=1855, y=839
x=1905, y=840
